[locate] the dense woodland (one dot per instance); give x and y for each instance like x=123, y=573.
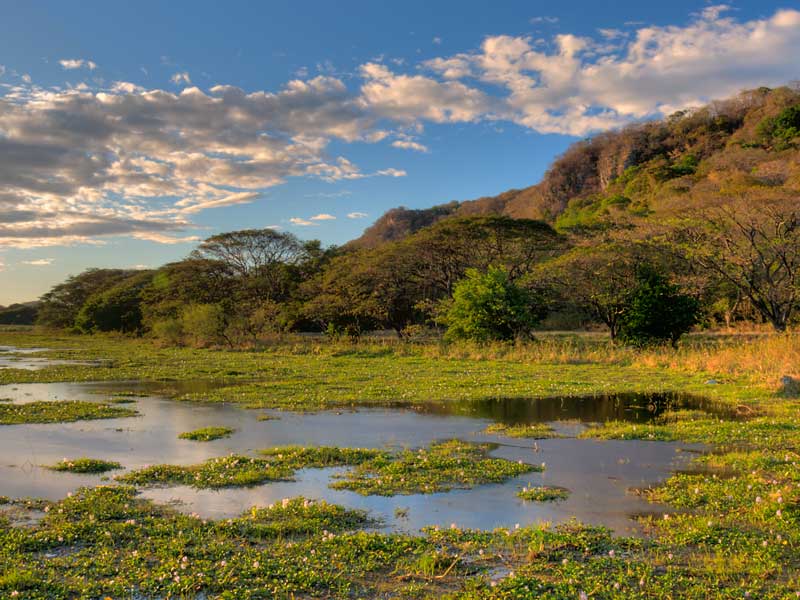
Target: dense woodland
x=647, y=231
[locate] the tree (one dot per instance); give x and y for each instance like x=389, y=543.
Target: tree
x=753, y=244
x=656, y=311
x=261, y=260
x=60, y=306
x=596, y=278
x=490, y=306
x=117, y=308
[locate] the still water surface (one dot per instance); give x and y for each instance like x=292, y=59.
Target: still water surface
x=599, y=474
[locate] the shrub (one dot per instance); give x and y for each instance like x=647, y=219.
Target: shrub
x=203, y=324
x=656, y=311
x=490, y=306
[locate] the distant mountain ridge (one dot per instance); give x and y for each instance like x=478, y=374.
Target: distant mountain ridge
x=641, y=166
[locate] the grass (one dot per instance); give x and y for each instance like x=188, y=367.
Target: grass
x=59, y=412
x=85, y=465
x=309, y=375
x=442, y=467
x=543, y=494
x=243, y=471
x=207, y=434
x=536, y=431
x=226, y=471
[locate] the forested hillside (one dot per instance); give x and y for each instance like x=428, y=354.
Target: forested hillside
x=739, y=145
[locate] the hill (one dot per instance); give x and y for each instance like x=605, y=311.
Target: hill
x=743, y=143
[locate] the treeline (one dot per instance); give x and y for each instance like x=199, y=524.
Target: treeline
x=480, y=278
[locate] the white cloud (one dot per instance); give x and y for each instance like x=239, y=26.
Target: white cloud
x=410, y=145
x=323, y=217
x=357, y=215
x=77, y=63
x=26, y=78
x=300, y=222
x=39, y=262
x=182, y=77
x=437, y=40
x=585, y=85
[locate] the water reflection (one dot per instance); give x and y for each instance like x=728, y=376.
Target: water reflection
x=598, y=473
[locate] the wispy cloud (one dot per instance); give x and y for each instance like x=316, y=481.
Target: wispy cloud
x=323, y=217
x=357, y=215
x=77, y=63
x=39, y=262
x=300, y=222
x=410, y=145
x=182, y=77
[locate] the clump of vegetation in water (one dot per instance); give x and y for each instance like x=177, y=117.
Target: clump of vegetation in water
x=543, y=494
x=299, y=457
x=441, y=467
x=85, y=465
x=207, y=434
x=536, y=431
x=60, y=412
x=226, y=471
x=294, y=517
x=237, y=470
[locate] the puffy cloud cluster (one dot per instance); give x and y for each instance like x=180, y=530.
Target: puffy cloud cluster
x=578, y=85
x=81, y=163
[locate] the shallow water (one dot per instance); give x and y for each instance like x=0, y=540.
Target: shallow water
x=17, y=358
x=599, y=474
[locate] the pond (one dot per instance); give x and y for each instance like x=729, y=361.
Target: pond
x=599, y=474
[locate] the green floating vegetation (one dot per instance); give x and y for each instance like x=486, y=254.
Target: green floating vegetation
x=207, y=434
x=226, y=471
x=107, y=542
x=85, y=465
x=441, y=467
x=60, y=412
x=240, y=471
x=543, y=493
x=294, y=517
x=318, y=457
x=536, y=431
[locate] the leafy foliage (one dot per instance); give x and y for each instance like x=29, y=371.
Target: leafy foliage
x=656, y=311
x=489, y=306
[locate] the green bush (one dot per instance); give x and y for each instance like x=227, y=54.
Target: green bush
x=490, y=306
x=656, y=311
x=203, y=324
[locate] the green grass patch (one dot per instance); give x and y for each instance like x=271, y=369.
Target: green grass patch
x=226, y=471
x=543, y=494
x=60, y=412
x=207, y=434
x=279, y=464
x=536, y=431
x=85, y=465
x=293, y=517
x=439, y=468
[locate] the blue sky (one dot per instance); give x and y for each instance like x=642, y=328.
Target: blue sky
x=129, y=130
